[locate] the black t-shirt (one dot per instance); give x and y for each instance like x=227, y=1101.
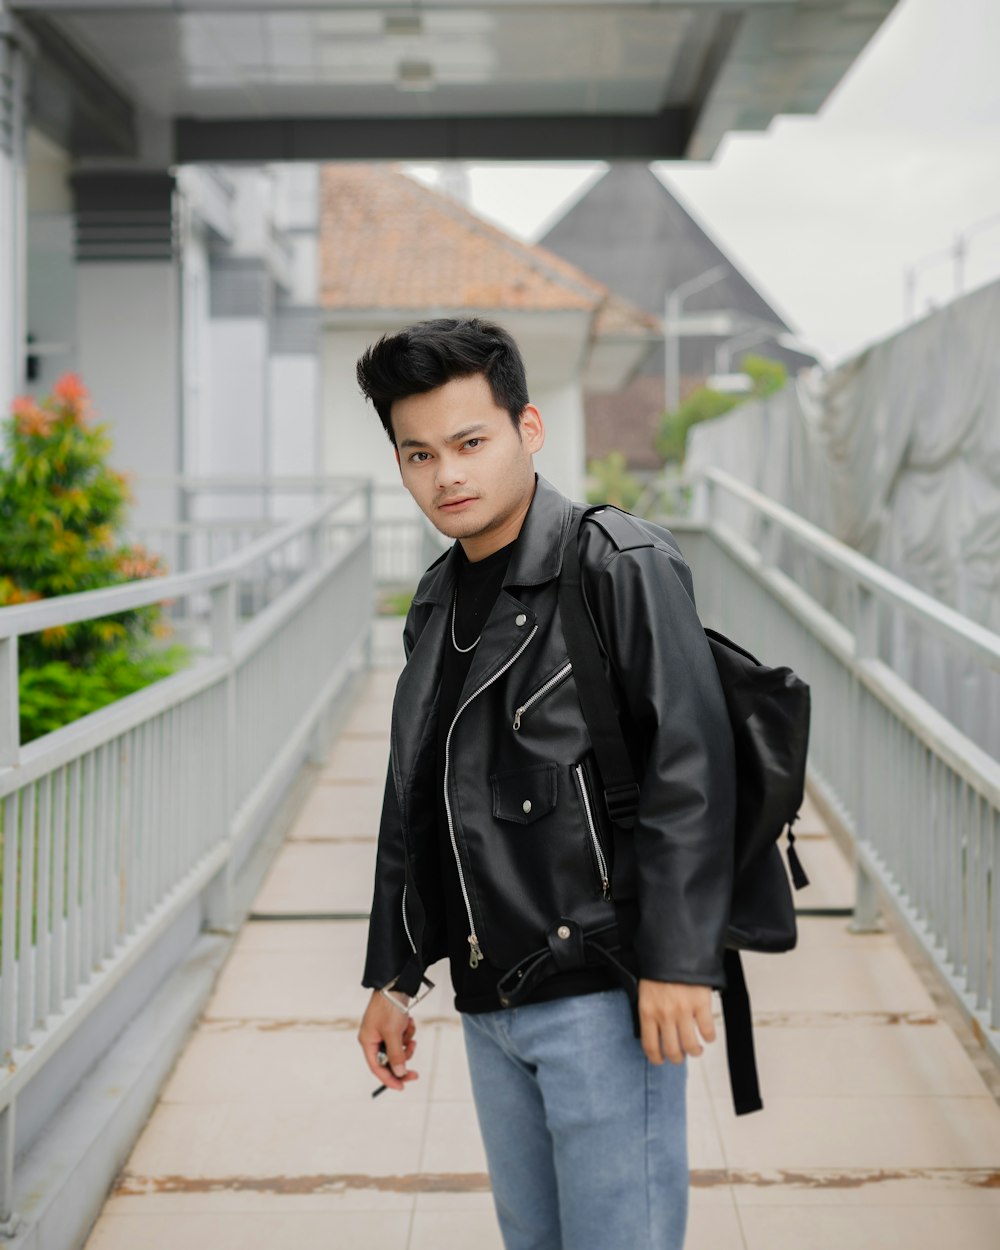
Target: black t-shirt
x=479, y=583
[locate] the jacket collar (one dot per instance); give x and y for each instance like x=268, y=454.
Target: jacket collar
x=537, y=554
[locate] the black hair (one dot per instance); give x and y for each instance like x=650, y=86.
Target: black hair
x=431, y=353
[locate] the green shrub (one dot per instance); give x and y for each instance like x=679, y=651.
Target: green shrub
x=705, y=403
x=612, y=483
x=61, y=512
x=395, y=603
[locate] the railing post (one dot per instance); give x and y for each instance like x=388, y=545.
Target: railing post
x=866, y=626
x=220, y=902
x=702, y=500
x=9, y=1219
x=368, y=496
x=10, y=704
x=769, y=539
x=866, y=904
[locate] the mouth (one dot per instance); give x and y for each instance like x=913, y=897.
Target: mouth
x=454, y=505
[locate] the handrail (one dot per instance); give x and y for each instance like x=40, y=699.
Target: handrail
x=975, y=639
x=30, y=618
x=147, y=812
x=276, y=484
x=916, y=797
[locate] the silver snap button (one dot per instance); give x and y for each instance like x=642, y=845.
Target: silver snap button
x=526, y=806
x=563, y=931
x=520, y=619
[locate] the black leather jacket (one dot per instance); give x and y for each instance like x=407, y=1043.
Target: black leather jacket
x=531, y=838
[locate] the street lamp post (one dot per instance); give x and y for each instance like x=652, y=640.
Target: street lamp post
x=671, y=339
x=957, y=254
x=724, y=351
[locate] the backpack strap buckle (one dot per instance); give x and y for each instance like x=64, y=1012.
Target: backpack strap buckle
x=622, y=803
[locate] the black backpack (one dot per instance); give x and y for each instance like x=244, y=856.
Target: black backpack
x=769, y=712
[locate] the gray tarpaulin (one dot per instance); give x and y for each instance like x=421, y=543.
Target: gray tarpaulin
x=896, y=452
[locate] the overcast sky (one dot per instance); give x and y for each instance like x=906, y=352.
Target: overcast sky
x=825, y=213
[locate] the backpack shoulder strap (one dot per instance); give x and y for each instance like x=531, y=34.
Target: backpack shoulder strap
x=621, y=794
x=621, y=791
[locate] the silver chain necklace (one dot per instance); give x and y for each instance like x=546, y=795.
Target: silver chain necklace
x=454, y=605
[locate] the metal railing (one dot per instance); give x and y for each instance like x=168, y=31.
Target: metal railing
x=113, y=824
x=920, y=801
x=220, y=515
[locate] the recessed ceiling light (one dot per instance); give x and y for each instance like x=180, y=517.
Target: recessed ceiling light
x=403, y=24
x=415, y=76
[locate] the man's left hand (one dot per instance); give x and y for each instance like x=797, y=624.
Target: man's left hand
x=671, y=1015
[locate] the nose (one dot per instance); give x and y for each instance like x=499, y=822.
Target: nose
x=450, y=471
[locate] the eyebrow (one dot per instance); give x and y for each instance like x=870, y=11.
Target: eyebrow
x=452, y=438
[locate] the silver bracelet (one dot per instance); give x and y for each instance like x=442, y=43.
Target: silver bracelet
x=384, y=991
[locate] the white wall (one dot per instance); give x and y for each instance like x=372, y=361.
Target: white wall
x=51, y=319
x=294, y=403
x=561, y=460
x=128, y=354
x=238, y=440
x=353, y=441
x=294, y=415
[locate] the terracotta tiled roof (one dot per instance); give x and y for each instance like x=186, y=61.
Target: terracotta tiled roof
x=389, y=242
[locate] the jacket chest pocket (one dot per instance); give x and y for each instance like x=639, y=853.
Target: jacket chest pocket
x=545, y=688
x=524, y=795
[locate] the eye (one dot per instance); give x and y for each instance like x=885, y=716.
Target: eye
x=413, y=457
x=469, y=442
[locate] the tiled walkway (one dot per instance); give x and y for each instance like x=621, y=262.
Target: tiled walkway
x=877, y=1129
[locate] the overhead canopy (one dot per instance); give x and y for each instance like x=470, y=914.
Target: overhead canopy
x=217, y=80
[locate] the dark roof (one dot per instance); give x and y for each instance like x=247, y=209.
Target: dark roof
x=630, y=232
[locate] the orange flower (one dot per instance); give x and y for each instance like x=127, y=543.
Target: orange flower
x=29, y=419
x=11, y=593
x=73, y=396
x=54, y=635
x=138, y=563
x=70, y=390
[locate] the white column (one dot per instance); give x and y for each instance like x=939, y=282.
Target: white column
x=13, y=213
x=128, y=324
x=294, y=425
x=238, y=431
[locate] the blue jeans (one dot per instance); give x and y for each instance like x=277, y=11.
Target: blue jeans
x=586, y=1140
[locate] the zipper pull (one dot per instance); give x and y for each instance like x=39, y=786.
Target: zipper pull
x=475, y=953
x=517, y=716
x=605, y=887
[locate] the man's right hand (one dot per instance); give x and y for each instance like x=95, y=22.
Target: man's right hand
x=383, y=1022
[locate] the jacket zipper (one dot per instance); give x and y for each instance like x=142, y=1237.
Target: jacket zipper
x=602, y=863
x=538, y=693
x=406, y=922
x=475, y=950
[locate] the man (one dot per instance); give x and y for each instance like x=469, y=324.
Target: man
x=495, y=846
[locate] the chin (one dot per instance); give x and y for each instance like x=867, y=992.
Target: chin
x=455, y=526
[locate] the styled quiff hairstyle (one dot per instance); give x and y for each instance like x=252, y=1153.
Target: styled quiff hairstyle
x=431, y=353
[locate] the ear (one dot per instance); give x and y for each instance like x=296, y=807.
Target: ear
x=532, y=428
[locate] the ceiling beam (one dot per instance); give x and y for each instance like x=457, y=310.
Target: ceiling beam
x=72, y=101
x=660, y=136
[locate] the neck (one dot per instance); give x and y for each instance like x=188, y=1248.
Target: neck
x=479, y=546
